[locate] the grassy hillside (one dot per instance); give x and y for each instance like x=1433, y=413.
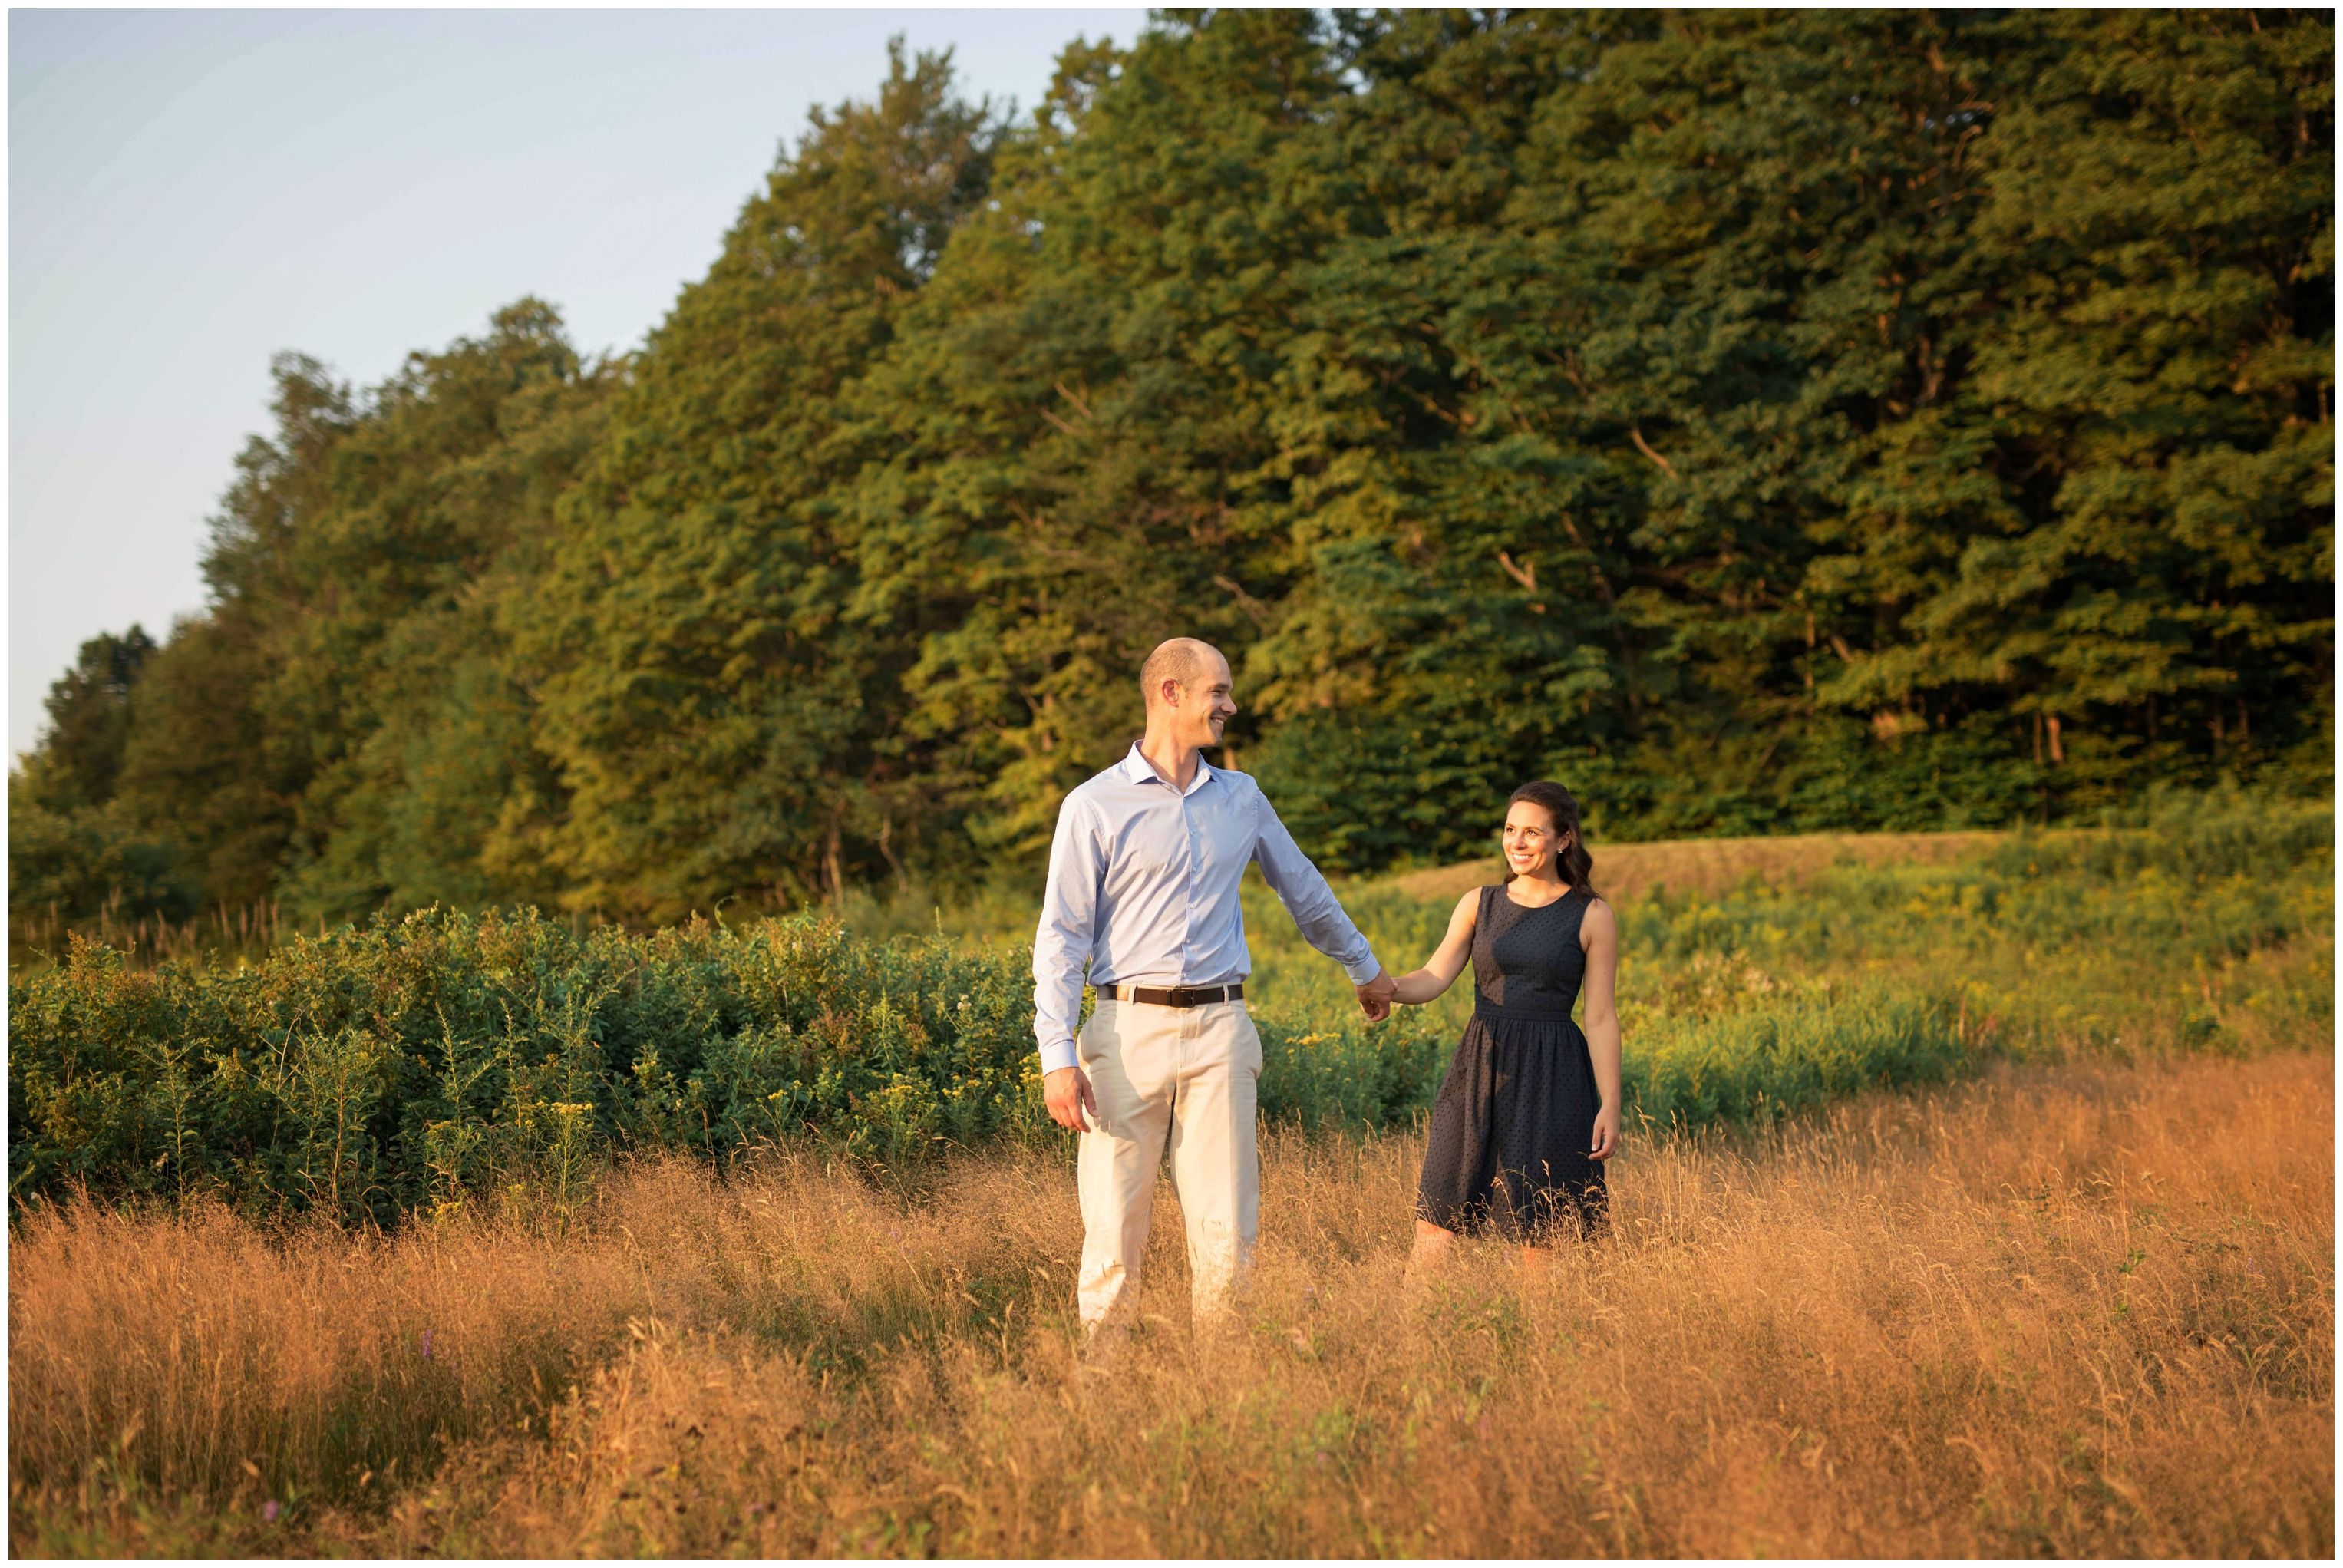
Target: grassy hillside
x=444, y=1060
x=1713, y=867
x=2045, y=1314
x=752, y=1241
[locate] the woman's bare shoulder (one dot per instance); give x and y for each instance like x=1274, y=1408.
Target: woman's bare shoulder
x=1598, y=918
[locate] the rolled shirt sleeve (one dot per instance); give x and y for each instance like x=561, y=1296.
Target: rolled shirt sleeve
x=1308, y=898
x=1062, y=942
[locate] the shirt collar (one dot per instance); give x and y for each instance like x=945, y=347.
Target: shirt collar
x=1140, y=770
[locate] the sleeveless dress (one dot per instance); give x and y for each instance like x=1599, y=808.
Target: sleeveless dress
x=1515, y=1115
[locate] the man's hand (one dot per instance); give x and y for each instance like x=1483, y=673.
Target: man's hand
x=1375, y=997
x=1068, y=1095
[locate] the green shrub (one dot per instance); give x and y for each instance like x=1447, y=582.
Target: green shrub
x=1759, y=1065
x=371, y=1072
x=419, y=1062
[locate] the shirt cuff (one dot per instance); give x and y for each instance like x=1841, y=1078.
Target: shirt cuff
x=1059, y=1053
x=1365, y=970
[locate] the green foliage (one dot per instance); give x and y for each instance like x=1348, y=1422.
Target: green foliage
x=77, y=861
x=2154, y=929
x=1755, y=1066
x=89, y=722
x=425, y=1059
x=73, y=850
x=705, y=697
x=1761, y=421
x=201, y=769
x=436, y=1060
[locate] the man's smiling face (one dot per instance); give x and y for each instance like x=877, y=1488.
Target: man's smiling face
x=1206, y=704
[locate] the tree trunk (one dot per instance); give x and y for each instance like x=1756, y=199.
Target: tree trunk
x=886, y=831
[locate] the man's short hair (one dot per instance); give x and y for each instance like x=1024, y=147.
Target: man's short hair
x=1180, y=659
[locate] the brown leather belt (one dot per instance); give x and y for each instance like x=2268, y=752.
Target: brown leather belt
x=1178, y=996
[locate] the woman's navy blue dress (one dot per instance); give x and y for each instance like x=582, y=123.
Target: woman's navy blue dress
x=1515, y=1115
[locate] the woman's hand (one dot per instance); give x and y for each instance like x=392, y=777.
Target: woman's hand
x=1598, y=934
x=1427, y=984
x=1606, y=1133
x=1416, y=987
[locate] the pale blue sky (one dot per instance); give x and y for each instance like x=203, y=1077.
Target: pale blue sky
x=190, y=192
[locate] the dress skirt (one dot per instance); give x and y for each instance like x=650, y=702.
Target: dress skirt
x=1510, y=1133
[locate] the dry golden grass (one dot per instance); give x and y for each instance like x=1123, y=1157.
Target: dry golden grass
x=1713, y=866
x=2081, y=1310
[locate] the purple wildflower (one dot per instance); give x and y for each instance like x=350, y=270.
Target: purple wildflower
x=268, y=1509
x=426, y=1344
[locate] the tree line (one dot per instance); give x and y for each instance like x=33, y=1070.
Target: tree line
x=1758, y=422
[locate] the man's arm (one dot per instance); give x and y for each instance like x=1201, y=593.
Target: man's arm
x=1314, y=908
x=1061, y=943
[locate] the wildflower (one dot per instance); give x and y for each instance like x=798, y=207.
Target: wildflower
x=426, y=1344
x=268, y=1509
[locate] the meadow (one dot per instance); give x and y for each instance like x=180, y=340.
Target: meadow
x=1977, y=1198
x=2066, y=1310
x=444, y=1060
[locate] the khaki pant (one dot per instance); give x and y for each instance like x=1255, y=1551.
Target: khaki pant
x=1184, y=1076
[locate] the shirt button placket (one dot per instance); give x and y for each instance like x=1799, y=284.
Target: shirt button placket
x=1188, y=932
x=1195, y=879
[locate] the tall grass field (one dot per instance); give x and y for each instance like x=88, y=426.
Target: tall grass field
x=1975, y=1200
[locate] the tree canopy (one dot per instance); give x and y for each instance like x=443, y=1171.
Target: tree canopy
x=1758, y=421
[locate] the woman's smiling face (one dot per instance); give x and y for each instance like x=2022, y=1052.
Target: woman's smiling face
x=1531, y=842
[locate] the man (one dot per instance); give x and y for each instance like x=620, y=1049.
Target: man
x=1142, y=888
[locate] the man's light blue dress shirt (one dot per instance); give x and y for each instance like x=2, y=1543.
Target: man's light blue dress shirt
x=1142, y=889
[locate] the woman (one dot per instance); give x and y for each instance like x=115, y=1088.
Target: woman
x=1530, y=1108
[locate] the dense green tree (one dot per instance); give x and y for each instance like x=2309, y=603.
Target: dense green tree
x=402, y=678
x=66, y=866
x=202, y=772
x=2149, y=349
x=716, y=719
x=73, y=850
x=1449, y=613
x=1067, y=437
x=89, y=721
x=1758, y=420
x=204, y=766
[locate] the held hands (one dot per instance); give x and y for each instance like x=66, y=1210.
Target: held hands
x=1066, y=1093
x=1375, y=997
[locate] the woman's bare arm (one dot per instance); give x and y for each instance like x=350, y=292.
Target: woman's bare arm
x=1440, y=971
x=1598, y=933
